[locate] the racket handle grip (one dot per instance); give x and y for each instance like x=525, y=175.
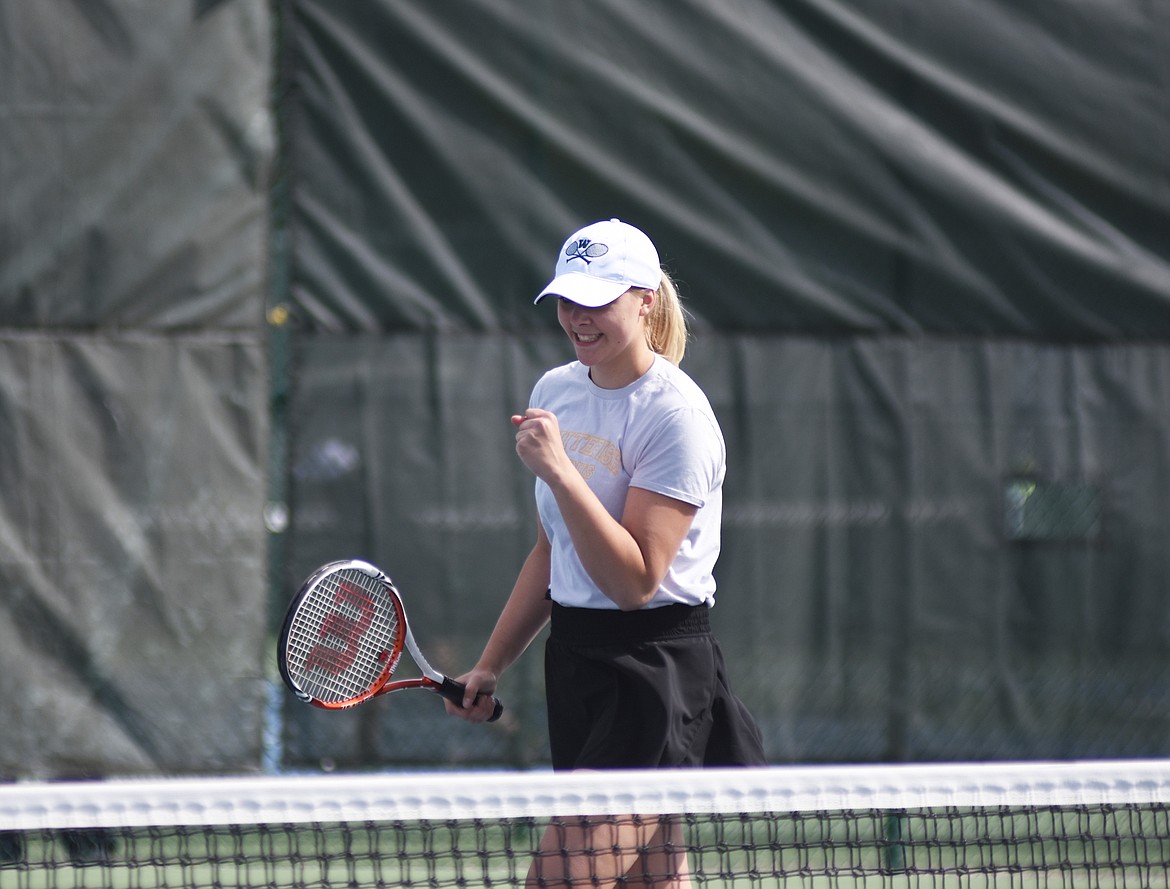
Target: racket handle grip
x=454, y=691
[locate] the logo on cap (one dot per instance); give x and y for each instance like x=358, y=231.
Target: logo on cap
x=585, y=250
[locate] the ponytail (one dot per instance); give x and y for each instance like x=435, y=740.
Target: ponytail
x=666, y=325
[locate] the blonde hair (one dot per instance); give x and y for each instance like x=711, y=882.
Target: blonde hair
x=666, y=325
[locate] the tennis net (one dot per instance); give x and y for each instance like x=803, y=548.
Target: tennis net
x=1091, y=824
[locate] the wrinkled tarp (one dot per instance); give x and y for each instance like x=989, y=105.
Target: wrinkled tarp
x=878, y=597
x=132, y=616
x=811, y=166
x=135, y=147
x=135, y=144
x=926, y=246
x=901, y=228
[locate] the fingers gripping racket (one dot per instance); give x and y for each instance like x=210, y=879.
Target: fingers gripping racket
x=343, y=636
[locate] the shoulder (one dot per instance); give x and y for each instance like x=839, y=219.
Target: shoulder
x=674, y=391
x=677, y=407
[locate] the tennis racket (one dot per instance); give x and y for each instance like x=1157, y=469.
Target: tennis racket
x=343, y=636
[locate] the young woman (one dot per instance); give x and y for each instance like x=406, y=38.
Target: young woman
x=629, y=463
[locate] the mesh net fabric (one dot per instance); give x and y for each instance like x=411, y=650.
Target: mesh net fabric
x=1027, y=824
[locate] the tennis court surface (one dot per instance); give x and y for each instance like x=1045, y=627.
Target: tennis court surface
x=1083, y=824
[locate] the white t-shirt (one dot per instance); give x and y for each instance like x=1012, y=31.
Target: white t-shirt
x=659, y=433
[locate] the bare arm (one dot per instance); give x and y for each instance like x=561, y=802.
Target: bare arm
x=524, y=616
x=627, y=559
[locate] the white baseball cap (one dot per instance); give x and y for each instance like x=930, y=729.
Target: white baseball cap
x=602, y=261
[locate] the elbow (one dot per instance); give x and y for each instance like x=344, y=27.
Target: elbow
x=629, y=584
x=636, y=602
x=638, y=606
x=631, y=596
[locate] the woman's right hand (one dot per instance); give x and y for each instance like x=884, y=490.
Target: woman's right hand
x=478, y=703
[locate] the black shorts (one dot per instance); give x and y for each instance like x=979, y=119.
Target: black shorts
x=642, y=689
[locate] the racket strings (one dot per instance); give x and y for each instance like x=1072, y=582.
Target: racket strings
x=344, y=638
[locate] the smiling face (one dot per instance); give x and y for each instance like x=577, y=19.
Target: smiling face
x=610, y=340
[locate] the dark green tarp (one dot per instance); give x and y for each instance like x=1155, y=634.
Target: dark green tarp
x=266, y=270
x=811, y=166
